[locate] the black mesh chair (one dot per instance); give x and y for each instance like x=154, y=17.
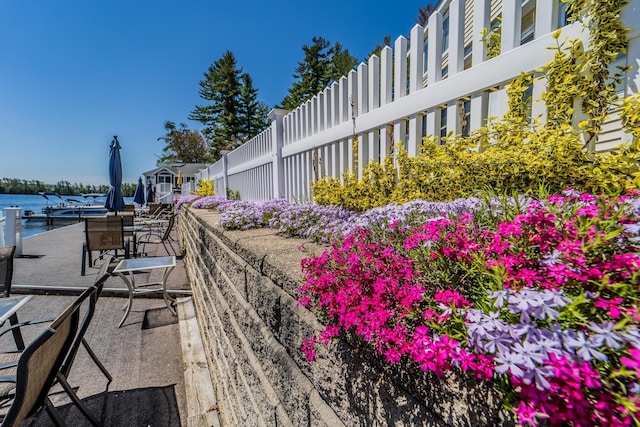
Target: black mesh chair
x=6, y=277
x=37, y=367
x=6, y=269
x=103, y=234
x=88, y=299
x=162, y=237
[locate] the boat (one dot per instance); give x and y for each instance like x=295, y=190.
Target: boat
x=61, y=208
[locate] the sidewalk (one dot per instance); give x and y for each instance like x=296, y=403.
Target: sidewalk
x=53, y=260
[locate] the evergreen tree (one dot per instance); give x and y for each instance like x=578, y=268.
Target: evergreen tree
x=424, y=13
x=221, y=86
x=321, y=65
x=183, y=145
x=253, y=113
x=423, y=17
x=386, y=41
x=234, y=114
x=341, y=63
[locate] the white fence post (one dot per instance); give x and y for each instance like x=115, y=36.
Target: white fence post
x=13, y=223
x=546, y=17
x=511, y=25
x=456, y=37
x=362, y=108
x=481, y=21
x=434, y=49
x=386, y=96
x=416, y=66
x=373, y=103
x=277, y=141
x=352, y=90
x=225, y=172
x=400, y=85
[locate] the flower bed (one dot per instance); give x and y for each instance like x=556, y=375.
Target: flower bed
x=538, y=297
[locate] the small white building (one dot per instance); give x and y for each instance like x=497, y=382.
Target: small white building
x=177, y=178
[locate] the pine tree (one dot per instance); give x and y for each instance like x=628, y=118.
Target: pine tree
x=424, y=13
x=234, y=114
x=221, y=86
x=341, y=63
x=253, y=114
x=321, y=65
x=386, y=41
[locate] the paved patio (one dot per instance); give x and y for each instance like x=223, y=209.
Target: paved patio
x=149, y=357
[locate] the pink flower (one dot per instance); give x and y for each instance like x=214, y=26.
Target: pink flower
x=632, y=362
x=613, y=305
x=308, y=348
x=526, y=414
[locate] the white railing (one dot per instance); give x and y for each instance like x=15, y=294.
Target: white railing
x=413, y=90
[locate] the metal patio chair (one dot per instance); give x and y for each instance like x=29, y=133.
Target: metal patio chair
x=103, y=234
x=6, y=277
x=90, y=296
x=161, y=237
x=35, y=370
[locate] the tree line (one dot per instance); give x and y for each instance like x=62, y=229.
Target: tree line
x=23, y=186
x=231, y=112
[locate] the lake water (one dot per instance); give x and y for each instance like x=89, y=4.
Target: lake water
x=33, y=202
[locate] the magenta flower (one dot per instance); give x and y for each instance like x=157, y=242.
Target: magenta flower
x=632, y=362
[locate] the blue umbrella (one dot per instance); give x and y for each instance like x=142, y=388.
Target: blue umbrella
x=138, y=197
x=115, y=202
x=149, y=193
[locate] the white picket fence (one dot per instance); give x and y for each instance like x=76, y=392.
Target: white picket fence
x=438, y=81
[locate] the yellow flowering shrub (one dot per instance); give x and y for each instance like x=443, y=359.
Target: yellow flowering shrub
x=204, y=188
x=517, y=154
x=517, y=160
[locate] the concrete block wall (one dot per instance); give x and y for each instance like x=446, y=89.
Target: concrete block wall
x=244, y=291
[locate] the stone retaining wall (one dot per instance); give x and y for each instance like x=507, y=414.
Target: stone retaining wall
x=244, y=287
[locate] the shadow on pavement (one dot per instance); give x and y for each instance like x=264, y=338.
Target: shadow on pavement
x=151, y=406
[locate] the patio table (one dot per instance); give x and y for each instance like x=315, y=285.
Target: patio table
x=9, y=307
x=126, y=270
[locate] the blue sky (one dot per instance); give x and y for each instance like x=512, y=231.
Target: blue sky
x=74, y=73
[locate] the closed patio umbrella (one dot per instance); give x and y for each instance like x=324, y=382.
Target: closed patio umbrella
x=115, y=201
x=138, y=197
x=149, y=193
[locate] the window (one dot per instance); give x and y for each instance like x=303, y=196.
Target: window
x=527, y=35
x=424, y=125
x=445, y=72
x=527, y=25
x=615, y=68
x=443, y=122
x=165, y=179
x=562, y=14
x=468, y=49
x=425, y=57
x=445, y=32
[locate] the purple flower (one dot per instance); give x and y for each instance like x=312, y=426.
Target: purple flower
x=500, y=297
x=605, y=333
x=632, y=336
x=553, y=258
x=497, y=342
x=539, y=377
x=530, y=353
x=585, y=348
x=509, y=362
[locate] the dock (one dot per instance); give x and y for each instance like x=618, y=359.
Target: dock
x=152, y=357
